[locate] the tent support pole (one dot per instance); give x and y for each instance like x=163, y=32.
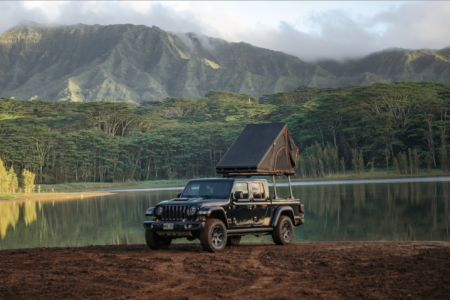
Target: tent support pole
x=290, y=187
x=275, y=196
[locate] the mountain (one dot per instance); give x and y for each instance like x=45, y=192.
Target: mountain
x=135, y=63
x=395, y=64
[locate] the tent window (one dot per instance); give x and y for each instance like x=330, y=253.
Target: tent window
x=281, y=161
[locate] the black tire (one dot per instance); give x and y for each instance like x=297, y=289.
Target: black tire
x=283, y=233
x=214, y=236
x=156, y=242
x=233, y=240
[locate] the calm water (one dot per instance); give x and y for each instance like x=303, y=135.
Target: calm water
x=404, y=210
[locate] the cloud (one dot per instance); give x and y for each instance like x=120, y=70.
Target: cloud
x=336, y=34
x=104, y=13
x=338, y=38
x=14, y=12
x=417, y=25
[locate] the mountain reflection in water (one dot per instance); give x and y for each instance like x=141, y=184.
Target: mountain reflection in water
x=400, y=211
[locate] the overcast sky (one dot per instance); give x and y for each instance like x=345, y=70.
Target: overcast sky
x=309, y=30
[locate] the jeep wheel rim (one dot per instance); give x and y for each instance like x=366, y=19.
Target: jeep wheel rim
x=217, y=236
x=286, y=231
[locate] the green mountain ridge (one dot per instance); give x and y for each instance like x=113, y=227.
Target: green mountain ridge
x=396, y=64
x=134, y=63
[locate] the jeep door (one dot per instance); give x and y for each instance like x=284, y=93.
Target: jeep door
x=261, y=205
x=240, y=214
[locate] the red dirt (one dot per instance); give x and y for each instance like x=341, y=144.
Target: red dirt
x=333, y=270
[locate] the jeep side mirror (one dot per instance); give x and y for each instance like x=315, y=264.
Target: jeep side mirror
x=238, y=195
x=179, y=194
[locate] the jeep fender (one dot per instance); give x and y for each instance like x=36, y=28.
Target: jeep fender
x=214, y=212
x=279, y=211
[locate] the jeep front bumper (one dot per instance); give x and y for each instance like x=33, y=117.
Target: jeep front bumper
x=178, y=226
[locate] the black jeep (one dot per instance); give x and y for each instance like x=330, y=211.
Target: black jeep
x=219, y=211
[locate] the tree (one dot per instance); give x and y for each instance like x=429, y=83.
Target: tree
x=28, y=181
x=355, y=161
x=4, y=179
x=13, y=182
x=387, y=155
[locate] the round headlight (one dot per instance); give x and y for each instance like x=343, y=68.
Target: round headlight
x=192, y=210
x=159, y=210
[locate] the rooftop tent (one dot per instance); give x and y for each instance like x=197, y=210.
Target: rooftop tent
x=261, y=149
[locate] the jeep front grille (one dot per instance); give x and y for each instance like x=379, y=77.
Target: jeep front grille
x=174, y=212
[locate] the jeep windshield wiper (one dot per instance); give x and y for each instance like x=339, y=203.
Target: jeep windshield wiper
x=207, y=196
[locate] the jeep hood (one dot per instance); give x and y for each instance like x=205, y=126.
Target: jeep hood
x=199, y=200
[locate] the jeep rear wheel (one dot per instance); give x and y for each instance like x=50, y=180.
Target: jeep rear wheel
x=214, y=236
x=233, y=240
x=283, y=233
x=156, y=242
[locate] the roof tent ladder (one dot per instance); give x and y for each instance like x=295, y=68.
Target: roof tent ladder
x=290, y=187
x=275, y=196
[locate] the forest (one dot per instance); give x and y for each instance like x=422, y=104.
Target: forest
x=401, y=127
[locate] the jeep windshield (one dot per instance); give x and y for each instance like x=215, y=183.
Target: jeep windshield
x=208, y=189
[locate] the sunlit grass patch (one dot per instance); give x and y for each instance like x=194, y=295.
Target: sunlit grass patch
x=9, y=196
x=92, y=185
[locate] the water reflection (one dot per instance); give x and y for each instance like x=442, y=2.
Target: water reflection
x=115, y=219
x=360, y=212
x=9, y=216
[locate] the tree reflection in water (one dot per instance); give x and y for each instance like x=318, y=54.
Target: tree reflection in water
x=10, y=212
x=9, y=216
x=358, y=212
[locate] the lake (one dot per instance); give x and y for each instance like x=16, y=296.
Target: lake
x=413, y=209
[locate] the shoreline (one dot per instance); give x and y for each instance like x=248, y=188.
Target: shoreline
x=99, y=185
x=55, y=196
x=178, y=182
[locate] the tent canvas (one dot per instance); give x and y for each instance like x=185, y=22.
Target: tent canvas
x=261, y=149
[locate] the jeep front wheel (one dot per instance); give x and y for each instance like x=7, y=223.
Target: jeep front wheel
x=283, y=233
x=156, y=242
x=214, y=236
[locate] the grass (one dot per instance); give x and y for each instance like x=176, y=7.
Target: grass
x=52, y=196
x=9, y=196
x=14, y=196
x=93, y=185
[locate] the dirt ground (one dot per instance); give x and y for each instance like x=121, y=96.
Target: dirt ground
x=332, y=270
